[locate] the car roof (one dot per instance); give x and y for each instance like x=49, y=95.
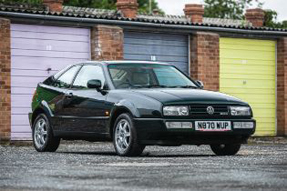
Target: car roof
x=124, y=62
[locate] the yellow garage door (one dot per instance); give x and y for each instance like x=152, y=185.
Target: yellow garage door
x=248, y=71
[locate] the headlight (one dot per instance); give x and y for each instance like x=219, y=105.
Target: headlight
x=175, y=111
x=240, y=111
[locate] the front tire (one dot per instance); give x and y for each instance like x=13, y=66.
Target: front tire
x=43, y=138
x=125, y=137
x=225, y=149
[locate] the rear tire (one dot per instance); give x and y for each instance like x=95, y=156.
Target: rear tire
x=225, y=149
x=125, y=137
x=43, y=138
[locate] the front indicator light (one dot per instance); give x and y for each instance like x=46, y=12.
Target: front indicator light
x=243, y=125
x=178, y=125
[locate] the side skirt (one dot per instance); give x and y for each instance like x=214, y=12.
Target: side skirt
x=87, y=136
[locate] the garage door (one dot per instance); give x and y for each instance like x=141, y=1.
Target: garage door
x=169, y=48
x=247, y=71
x=37, y=52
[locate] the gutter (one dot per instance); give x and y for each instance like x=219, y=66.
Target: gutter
x=92, y=21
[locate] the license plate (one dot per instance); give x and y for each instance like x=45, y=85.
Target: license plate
x=213, y=125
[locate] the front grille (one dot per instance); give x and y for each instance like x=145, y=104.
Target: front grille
x=201, y=111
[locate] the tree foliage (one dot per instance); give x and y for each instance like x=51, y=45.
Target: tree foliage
x=144, y=6
x=101, y=4
x=33, y=2
x=228, y=9
x=270, y=20
x=234, y=9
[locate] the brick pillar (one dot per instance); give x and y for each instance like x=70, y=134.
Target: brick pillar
x=128, y=8
x=194, y=12
x=107, y=42
x=255, y=16
x=204, y=59
x=54, y=5
x=5, y=80
x=282, y=86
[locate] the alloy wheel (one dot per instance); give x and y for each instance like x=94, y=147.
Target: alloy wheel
x=40, y=134
x=123, y=135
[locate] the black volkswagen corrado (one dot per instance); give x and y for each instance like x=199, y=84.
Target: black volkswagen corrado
x=135, y=104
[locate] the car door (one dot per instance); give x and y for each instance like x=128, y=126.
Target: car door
x=57, y=94
x=87, y=106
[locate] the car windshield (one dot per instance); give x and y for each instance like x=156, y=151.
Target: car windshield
x=148, y=76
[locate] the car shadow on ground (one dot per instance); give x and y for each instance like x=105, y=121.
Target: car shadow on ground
x=88, y=153
x=145, y=154
x=177, y=155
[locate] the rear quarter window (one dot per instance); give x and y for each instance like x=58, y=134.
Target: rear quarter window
x=49, y=81
x=66, y=79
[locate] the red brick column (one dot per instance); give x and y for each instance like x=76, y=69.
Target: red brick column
x=107, y=42
x=194, y=12
x=128, y=8
x=282, y=86
x=255, y=16
x=5, y=80
x=54, y=5
x=204, y=59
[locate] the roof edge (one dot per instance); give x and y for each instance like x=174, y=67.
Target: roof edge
x=81, y=21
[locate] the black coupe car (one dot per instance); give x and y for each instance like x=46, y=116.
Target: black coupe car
x=135, y=104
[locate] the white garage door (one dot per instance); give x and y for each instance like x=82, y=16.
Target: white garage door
x=37, y=52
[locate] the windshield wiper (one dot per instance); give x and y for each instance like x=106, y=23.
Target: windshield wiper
x=163, y=86
x=150, y=86
x=193, y=87
x=157, y=86
x=187, y=86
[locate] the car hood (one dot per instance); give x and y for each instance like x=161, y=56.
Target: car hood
x=184, y=96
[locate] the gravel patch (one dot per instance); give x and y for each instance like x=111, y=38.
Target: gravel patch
x=95, y=166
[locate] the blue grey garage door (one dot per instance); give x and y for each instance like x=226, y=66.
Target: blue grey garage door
x=38, y=52
x=171, y=48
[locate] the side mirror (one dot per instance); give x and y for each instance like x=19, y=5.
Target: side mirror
x=94, y=84
x=200, y=84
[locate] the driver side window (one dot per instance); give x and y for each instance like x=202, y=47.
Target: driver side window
x=89, y=72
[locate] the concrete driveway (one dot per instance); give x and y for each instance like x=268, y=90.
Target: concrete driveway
x=94, y=166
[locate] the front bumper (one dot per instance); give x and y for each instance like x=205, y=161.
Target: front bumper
x=153, y=131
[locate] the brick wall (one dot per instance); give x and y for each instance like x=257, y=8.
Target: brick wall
x=107, y=43
x=204, y=59
x=282, y=86
x=5, y=80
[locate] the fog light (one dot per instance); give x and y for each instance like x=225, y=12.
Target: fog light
x=178, y=125
x=243, y=125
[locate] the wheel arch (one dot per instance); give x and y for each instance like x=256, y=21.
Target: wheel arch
x=42, y=108
x=114, y=115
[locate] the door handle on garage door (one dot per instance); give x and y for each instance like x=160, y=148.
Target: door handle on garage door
x=69, y=95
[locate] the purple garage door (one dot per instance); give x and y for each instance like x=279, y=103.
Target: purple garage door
x=37, y=52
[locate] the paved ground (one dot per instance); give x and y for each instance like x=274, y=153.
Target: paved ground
x=94, y=166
